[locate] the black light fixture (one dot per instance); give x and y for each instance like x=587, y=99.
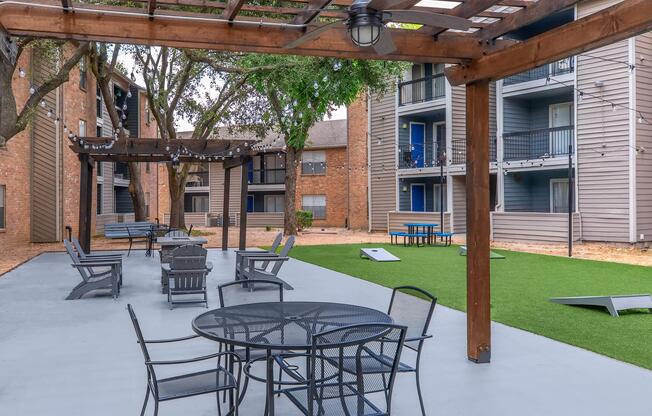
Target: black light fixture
x=365, y=26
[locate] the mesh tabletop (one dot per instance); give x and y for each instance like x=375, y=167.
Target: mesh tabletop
x=280, y=325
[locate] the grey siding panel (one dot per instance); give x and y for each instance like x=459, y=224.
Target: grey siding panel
x=133, y=115
x=383, y=160
x=530, y=191
x=458, y=123
x=44, y=162
x=216, y=191
x=264, y=219
x=397, y=220
x=533, y=227
x=459, y=204
x=644, y=139
x=603, y=139
x=197, y=219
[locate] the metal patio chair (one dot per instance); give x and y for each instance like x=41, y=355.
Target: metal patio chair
x=241, y=255
x=95, y=274
x=254, y=269
x=186, y=275
x=336, y=382
x=212, y=380
x=251, y=291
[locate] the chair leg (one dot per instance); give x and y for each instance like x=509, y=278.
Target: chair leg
x=156, y=408
x=423, y=409
x=142, y=412
x=131, y=242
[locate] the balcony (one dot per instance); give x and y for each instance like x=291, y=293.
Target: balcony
x=197, y=180
x=565, y=66
x=121, y=171
x=421, y=90
x=267, y=177
x=458, y=148
x=538, y=144
x=409, y=159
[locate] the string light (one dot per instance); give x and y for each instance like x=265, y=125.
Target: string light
x=21, y=72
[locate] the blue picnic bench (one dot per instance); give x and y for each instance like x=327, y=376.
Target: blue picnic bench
x=129, y=231
x=408, y=238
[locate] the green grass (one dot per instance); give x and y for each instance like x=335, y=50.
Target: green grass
x=521, y=285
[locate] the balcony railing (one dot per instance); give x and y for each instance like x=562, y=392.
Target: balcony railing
x=267, y=177
x=421, y=90
x=197, y=179
x=458, y=148
x=565, y=66
x=538, y=144
x=409, y=159
x=121, y=171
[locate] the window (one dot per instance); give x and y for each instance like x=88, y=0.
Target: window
x=315, y=204
x=313, y=163
x=98, y=131
x=559, y=195
x=438, y=205
x=98, y=103
x=197, y=175
x=199, y=203
x=99, y=199
x=147, y=168
x=82, y=73
x=274, y=203
x=99, y=169
x=82, y=128
x=3, y=214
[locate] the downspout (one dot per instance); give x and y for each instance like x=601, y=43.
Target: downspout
x=633, y=116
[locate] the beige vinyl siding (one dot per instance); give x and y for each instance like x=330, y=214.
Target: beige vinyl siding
x=397, y=220
x=644, y=139
x=459, y=204
x=383, y=160
x=533, y=227
x=196, y=219
x=458, y=124
x=107, y=187
x=216, y=192
x=603, y=139
x=264, y=219
x=44, y=151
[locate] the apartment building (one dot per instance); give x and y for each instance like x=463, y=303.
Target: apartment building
x=39, y=174
x=331, y=179
x=582, y=118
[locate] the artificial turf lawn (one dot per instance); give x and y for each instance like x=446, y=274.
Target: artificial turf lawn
x=521, y=285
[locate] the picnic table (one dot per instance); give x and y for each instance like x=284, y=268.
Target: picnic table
x=428, y=231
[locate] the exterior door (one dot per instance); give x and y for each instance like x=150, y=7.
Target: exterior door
x=250, y=203
x=418, y=195
x=418, y=144
x=561, y=115
x=559, y=195
x=439, y=141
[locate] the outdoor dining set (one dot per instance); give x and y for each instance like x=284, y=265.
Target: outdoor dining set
x=324, y=358
x=421, y=234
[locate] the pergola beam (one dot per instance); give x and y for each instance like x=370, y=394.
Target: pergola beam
x=465, y=10
x=523, y=17
x=311, y=11
x=232, y=9
x=110, y=24
x=616, y=23
x=151, y=8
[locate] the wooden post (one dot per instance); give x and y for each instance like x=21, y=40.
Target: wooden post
x=85, y=201
x=244, y=190
x=477, y=222
x=225, y=209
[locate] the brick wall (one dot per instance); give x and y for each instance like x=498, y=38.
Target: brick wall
x=333, y=184
x=357, y=123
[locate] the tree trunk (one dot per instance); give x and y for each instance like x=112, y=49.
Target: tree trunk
x=136, y=192
x=8, y=110
x=292, y=158
x=177, y=184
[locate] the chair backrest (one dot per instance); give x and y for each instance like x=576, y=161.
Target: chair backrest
x=273, y=248
x=176, y=233
x=80, y=251
x=71, y=251
x=289, y=243
x=143, y=346
x=188, y=268
x=250, y=291
x=412, y=307
x=340, y=380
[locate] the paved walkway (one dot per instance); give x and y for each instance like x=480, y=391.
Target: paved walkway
x=73, y=358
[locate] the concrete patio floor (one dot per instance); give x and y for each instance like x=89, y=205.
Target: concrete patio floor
x=69, y=358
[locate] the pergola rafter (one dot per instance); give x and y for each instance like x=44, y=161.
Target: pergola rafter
x=235, y=25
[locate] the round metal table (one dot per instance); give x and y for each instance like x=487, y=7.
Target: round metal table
x=280, y=326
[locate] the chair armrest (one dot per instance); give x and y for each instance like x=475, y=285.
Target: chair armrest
x=95, y=264
x=421, y=338
x=196, y=359
x=108, y=256
x=247, y=253
x=257, y=259
x=161, y=341
x=101, y=260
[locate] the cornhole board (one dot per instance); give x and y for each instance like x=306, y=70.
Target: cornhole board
x=612, y=303
x=493, y=255
x=377, y=254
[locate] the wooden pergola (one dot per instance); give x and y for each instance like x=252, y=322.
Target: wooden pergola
x=481, y=54
x=230, y=153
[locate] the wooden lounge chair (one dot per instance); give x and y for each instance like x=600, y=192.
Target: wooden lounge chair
x=254, y=269
x=241, y=256
x=186, y=274
x=95, y=274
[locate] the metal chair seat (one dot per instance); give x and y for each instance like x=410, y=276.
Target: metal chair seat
x=209, y=381
x=371, y=364
x=333, y=400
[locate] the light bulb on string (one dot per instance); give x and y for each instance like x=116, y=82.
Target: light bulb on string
x=43, y=104
x=32, y=89
x=21, y=72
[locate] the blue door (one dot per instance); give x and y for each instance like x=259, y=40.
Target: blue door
x=250, y=203
x=250, y=172
x=418, y=194
x=418, y=144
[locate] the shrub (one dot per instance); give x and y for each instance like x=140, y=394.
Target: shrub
x=304, y=219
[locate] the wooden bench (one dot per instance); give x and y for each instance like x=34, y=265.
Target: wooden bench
x=130, y=231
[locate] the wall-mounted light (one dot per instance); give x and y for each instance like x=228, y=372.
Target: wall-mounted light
x=404, y=126
x=404, y=188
